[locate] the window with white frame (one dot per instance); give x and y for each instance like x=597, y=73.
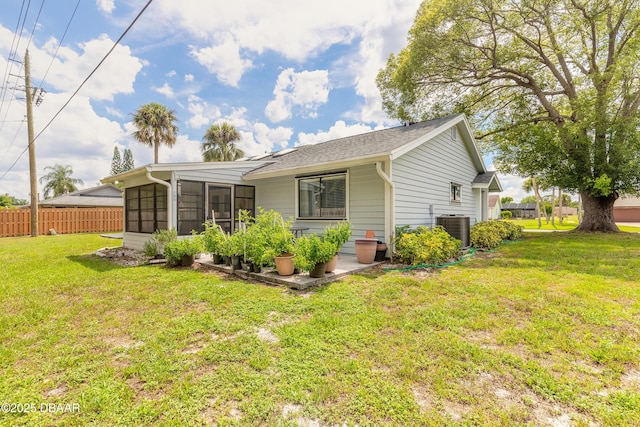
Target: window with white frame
x=323, y=196
x=455, y=193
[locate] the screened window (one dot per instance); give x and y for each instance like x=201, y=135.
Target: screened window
x=455, y=192
x=190, y=207
x=245, y=199
x=322, y=196
x=146, y=208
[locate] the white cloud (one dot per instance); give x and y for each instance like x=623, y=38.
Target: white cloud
x=339, y=130
x=223, y=59
x=165, y=90
x=171, y=73
x=202, y=114
x=115, y=112
x=106, y=5
x=115, y=76
x=307, y=89
x=189, y=77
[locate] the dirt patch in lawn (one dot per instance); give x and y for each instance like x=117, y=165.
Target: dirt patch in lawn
x=122, y=256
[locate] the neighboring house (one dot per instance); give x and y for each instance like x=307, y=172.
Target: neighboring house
x=495, y=206
x=566, y=211
x=627, y=209
x=407, y=175
x=522, y=210
x=102, y=196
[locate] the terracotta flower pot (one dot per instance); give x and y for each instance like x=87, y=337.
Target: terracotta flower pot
x=284, y=264
x=331, y=265
x=366, y=250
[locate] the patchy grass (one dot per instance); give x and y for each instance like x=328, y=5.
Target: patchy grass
x=544, y=331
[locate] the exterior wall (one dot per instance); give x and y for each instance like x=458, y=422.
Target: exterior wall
x=422, y=178
x=365, y=203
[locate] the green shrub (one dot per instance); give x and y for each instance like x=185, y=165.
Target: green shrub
x=311, y=250
x=425, y=246
x=338, y=234
x=150, y=248
x=176, y=249
x=489, y=234
x=506, y=214
x=213, y=238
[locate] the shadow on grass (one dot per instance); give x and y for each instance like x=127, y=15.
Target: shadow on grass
x=94, y=262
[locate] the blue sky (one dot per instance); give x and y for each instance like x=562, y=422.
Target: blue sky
x=283, y=72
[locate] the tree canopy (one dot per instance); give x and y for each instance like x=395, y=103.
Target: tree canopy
x=59, y=181
x=219, y=143
x=155, y=126
x=120, y=163
x=552, y=86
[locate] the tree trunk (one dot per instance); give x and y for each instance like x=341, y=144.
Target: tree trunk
x=534, y=184
x=553, y=205
x=598, y=214
x=560, y=204
x=155, y=151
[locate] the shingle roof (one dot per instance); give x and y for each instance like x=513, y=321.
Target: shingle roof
x=484, y=178
x=525, y=206
x=371, y=144
x=100, y=196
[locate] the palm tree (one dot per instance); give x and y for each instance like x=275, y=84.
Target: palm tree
x=59, y=181
x=219, y=143
x=156, y=126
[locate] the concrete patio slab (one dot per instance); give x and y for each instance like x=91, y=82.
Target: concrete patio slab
x=347, y=264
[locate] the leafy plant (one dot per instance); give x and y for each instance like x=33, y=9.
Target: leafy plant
x=425, y=246
x=489, y=234
x=311, y=250
x=176, y=249
x=338, y=234
x=213, y=238
x=506, y=214
x=150, y=248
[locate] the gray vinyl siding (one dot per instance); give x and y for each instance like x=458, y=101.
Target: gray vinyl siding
x=366, y=203
x=422, y=177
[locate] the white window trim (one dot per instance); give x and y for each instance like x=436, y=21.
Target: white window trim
x=454, y=133
x=325, y=218
x=451, y=199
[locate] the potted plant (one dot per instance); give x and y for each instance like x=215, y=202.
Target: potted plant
x=183, y=251
x=338, y=234
x=213, y=240
x=312, y=254
x=236, y=249
x=277, y=241
x=162, y=237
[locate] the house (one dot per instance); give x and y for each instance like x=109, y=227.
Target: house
x=627, y=209
x=522, y=210
x=102, y=196
x=495, y=206
x=406, y=175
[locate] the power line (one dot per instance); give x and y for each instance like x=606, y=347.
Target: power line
x=81, y=84
x=12, y=54
x=55, y=55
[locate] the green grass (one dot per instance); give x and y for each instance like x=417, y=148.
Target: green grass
x=543, y=330
x=568, y=224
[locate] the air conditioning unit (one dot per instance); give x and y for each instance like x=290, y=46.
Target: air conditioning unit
x=457, y=226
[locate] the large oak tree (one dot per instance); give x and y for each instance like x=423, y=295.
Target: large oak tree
x=553, y=86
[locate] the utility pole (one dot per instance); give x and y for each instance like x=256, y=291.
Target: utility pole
x=33, y=178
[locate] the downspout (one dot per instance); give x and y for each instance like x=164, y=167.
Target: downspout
x=169, y=198
x=389, y=209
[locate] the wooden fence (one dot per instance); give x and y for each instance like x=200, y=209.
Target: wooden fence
x=17, y=222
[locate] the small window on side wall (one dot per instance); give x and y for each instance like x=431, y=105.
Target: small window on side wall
x=455, y=194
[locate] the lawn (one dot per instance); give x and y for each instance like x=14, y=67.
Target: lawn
x=569, y=223
x=543, y=331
